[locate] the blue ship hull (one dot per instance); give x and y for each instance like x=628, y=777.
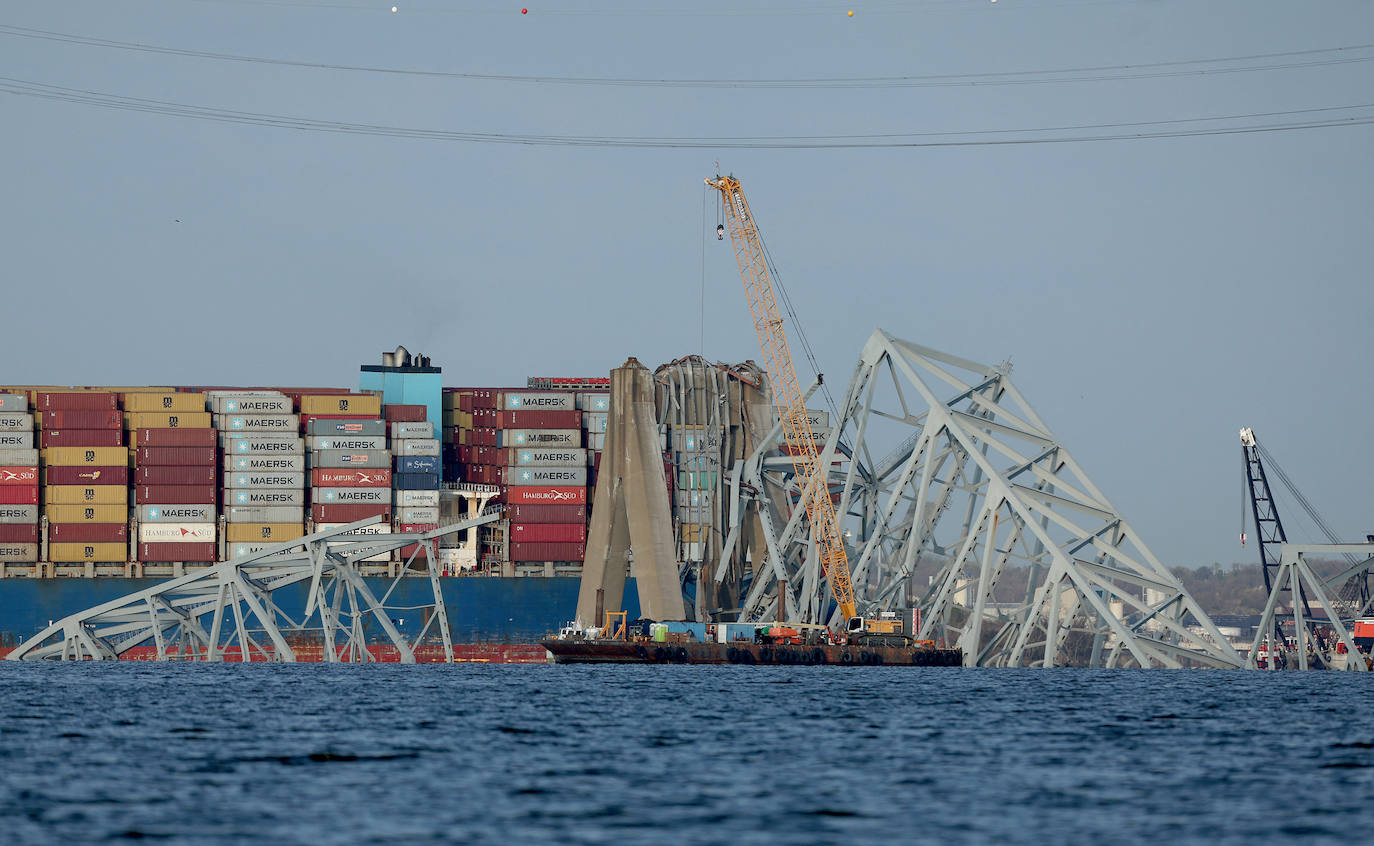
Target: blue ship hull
x=480, y=610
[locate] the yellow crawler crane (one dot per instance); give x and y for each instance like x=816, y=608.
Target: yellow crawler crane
x=787, y=395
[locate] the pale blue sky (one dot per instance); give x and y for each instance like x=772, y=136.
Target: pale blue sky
x=1154, y=295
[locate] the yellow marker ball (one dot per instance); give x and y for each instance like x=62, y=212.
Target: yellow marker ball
x=851, y=13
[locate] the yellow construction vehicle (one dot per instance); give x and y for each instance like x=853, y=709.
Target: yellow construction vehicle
x=791, y=406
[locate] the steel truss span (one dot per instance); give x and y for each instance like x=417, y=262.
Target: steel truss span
x=238, y=611
x=979, y=492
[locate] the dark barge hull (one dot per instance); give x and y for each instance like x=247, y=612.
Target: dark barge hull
x=627, y=652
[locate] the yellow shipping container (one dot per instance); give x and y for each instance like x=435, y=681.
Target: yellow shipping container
x=263, y=532
x=170, y=402
x=342, y=404
x=87, y=513
x=167, y=420
x=68, y=552
x=453, y=399
x=86, y=495
x=85, y=456
x=693, y=532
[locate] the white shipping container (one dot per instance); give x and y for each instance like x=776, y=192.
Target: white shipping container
x=176, y=532
x=266, y=497
x=541, y=457
x=597, y=441
x=268, y=463
x=264, y=514
x=594, y=401
x=238, y=550
x=330, y=496
x=349, y=442
x=417, y=514
x=248, y=402
x=288, y=423
x=263, y=446
x=415, y=447
x=13, y=402
x=262, y=479
x=547, y=476
x=18, y=458
x=12, y=514
x=416, y=499
x=16, y=420
x=413, y=429
x=19, y=553
x=594, y=422
x=538, y=401
x=374, y=529
x=15, y=439
x=177, y=513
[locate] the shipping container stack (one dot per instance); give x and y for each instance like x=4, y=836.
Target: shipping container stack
x=349, y=464
x=176, y=474
x=86, y=476
x=457, y=422
x=418, y=470
x=543, y=464
x=264, y=468
x=18, y=482
x=595, y=407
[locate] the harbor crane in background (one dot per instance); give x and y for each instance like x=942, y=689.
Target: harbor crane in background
x=787, y=395
x=1348, y=590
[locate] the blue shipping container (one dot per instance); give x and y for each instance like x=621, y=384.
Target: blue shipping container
x=415, y=481
x=417, y=464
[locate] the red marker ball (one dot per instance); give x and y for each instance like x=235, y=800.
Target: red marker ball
x=524, y=11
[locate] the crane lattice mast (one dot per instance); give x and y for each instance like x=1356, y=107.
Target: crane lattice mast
x=787, y=393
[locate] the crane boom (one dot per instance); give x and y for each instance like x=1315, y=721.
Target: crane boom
x=787, y=394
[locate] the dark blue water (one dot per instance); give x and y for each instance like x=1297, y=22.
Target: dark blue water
x=673, y=754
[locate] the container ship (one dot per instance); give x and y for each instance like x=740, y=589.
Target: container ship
x=108, y=490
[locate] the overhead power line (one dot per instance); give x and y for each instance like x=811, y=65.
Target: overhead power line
x=1315, y=118
x=1320, y=57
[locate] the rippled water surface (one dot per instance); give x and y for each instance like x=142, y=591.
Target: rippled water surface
x=677, y=754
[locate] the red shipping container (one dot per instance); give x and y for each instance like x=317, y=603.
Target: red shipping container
x=548, y=532
x=19, y=495
x=399, y=413
x=175, y=495
x=176, y=438
x=548, y=551
x=417, y=527
x=88, y=533
x=18, y=533
x=86, y=475
x=83, y=419
x=526, y=513
x=195, y=552
x=67, y=400
x=343, y=477
x=176, y=456
x=174, y=475
x=538, y=419
x=81, y=437
x=26, y=476
x=348, y=512
x=532, y=495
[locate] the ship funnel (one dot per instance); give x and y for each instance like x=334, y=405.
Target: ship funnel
x=400, y=358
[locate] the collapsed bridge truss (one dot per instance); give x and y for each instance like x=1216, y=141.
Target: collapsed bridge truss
x=978, y=492
x=253, y=608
